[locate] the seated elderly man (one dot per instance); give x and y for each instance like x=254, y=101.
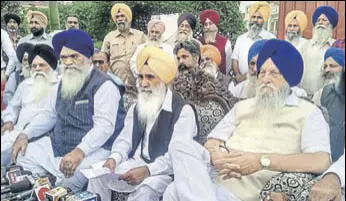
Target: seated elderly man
x=159, y=116
x=30, y=97
x=83, y=114
x=156, y=28
x=260, y=137
x=23, y=51
x=334, y=63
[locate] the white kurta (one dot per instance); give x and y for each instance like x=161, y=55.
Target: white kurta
x=160, y=169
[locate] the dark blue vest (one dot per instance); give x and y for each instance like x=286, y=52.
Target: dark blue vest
x=75, y=121
x=161, y=133
x=334, y=100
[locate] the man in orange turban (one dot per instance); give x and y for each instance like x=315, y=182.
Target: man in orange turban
x=295, y=24
x=140, y=153
x=210, y=19
x=121, y=43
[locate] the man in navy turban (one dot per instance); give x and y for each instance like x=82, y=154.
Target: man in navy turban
x=83, y=116
x=324, y=19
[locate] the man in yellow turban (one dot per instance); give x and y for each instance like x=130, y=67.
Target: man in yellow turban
x=122, y=43
x=295, y=24
x=259, y=13
x=156, y=28
x=38, y=22
x=140, y=153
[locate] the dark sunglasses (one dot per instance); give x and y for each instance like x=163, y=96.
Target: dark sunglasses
x=101, y=62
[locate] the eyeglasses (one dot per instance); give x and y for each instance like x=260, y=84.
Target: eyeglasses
x=100, y=62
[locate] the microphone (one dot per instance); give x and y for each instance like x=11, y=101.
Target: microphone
x=19, y=196
x=12, y=173
x=20, y=186
x=42, y=185
x=84, y=196
x=57, y=193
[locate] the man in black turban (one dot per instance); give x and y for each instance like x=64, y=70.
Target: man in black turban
x=12, y=26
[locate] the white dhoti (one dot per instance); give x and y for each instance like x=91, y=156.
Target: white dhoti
x=193, y=175
x=7, y=141
x=151, y=189
x=39, y=159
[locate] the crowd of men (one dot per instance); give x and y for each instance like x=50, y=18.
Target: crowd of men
x=65, y=111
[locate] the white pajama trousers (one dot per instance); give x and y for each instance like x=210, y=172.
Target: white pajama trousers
x=39, y=159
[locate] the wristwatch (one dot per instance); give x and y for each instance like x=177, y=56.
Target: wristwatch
x=265, y=161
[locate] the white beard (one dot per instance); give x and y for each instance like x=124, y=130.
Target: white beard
x=211, y=69
x=26, y=71
x=269, y=104
x=251, y=87
x=41, y=85
x=184, y=37
x=148, y=104
x=73, y=80
x=254, y=30
x=210, y=37
x=331, y=78
x=292, y=36
x=320, y=35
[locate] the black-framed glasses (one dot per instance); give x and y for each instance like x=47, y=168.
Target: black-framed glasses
x=100, y=62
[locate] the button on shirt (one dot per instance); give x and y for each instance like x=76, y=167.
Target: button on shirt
x=106, y=102
x=184, y=127
x=43, y=39
x=23, y=105
x=242, y=46
x=313, y=138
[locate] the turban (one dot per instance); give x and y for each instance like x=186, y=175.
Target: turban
x=329, y=12
x=40, y=17
x=76, y=40
x=286, y=58
x=212, y=52
x=9, y=16
x=46, y=53
x=299, y=16
x=153, y=22
x=22, y=49
x=189, y=18
x=263, y=7
x=159, y=62
x=123, y=8
x=255, y=49
x=337, y=54
x=211, y=14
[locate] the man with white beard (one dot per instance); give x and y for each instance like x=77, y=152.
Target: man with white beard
x=22, y=52
x=324, y=19
x=334, y=63
x=82, y=117
x=186, y=25
x=295, y=23
x=260, y=137
x=141, y=150
x=210, y=19
x=259, y=13
x=29, y=98
x=156, y=28
x=122, y=43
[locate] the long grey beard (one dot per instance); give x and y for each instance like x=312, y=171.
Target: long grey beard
x=181, y=37
x=251, y=87
x=210, y=37
x=211, y=69
x=148, y=104
x=331, y=78
x=123, y=27
x=41, y=85
x=26, y=71
x=269, y=105
x=72, y=82
x=320, y=35
x=254, y=31
x=291, y=36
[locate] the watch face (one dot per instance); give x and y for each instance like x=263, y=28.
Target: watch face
x=265, y=161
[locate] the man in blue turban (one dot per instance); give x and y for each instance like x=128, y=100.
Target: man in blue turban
x=83, y=116
x=324, y=19
x=274, y=132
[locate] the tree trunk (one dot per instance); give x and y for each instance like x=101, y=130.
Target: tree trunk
x=54, y=16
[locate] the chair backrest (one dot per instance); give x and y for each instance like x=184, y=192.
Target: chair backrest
x=210, y=111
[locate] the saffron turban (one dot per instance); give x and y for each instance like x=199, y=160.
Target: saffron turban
x=160, y=24
x=163, y=65
x=213, y=16
x=76, y=40
x=22, y=49
x=46, y=53
x=337, y=54
x=189, y=18
x=211, y=52
x=263, y=7
x=123, y=8
x=285, y=57
x=255, y=49
x=39, y=16
x=299, y=16
x=329, y=12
